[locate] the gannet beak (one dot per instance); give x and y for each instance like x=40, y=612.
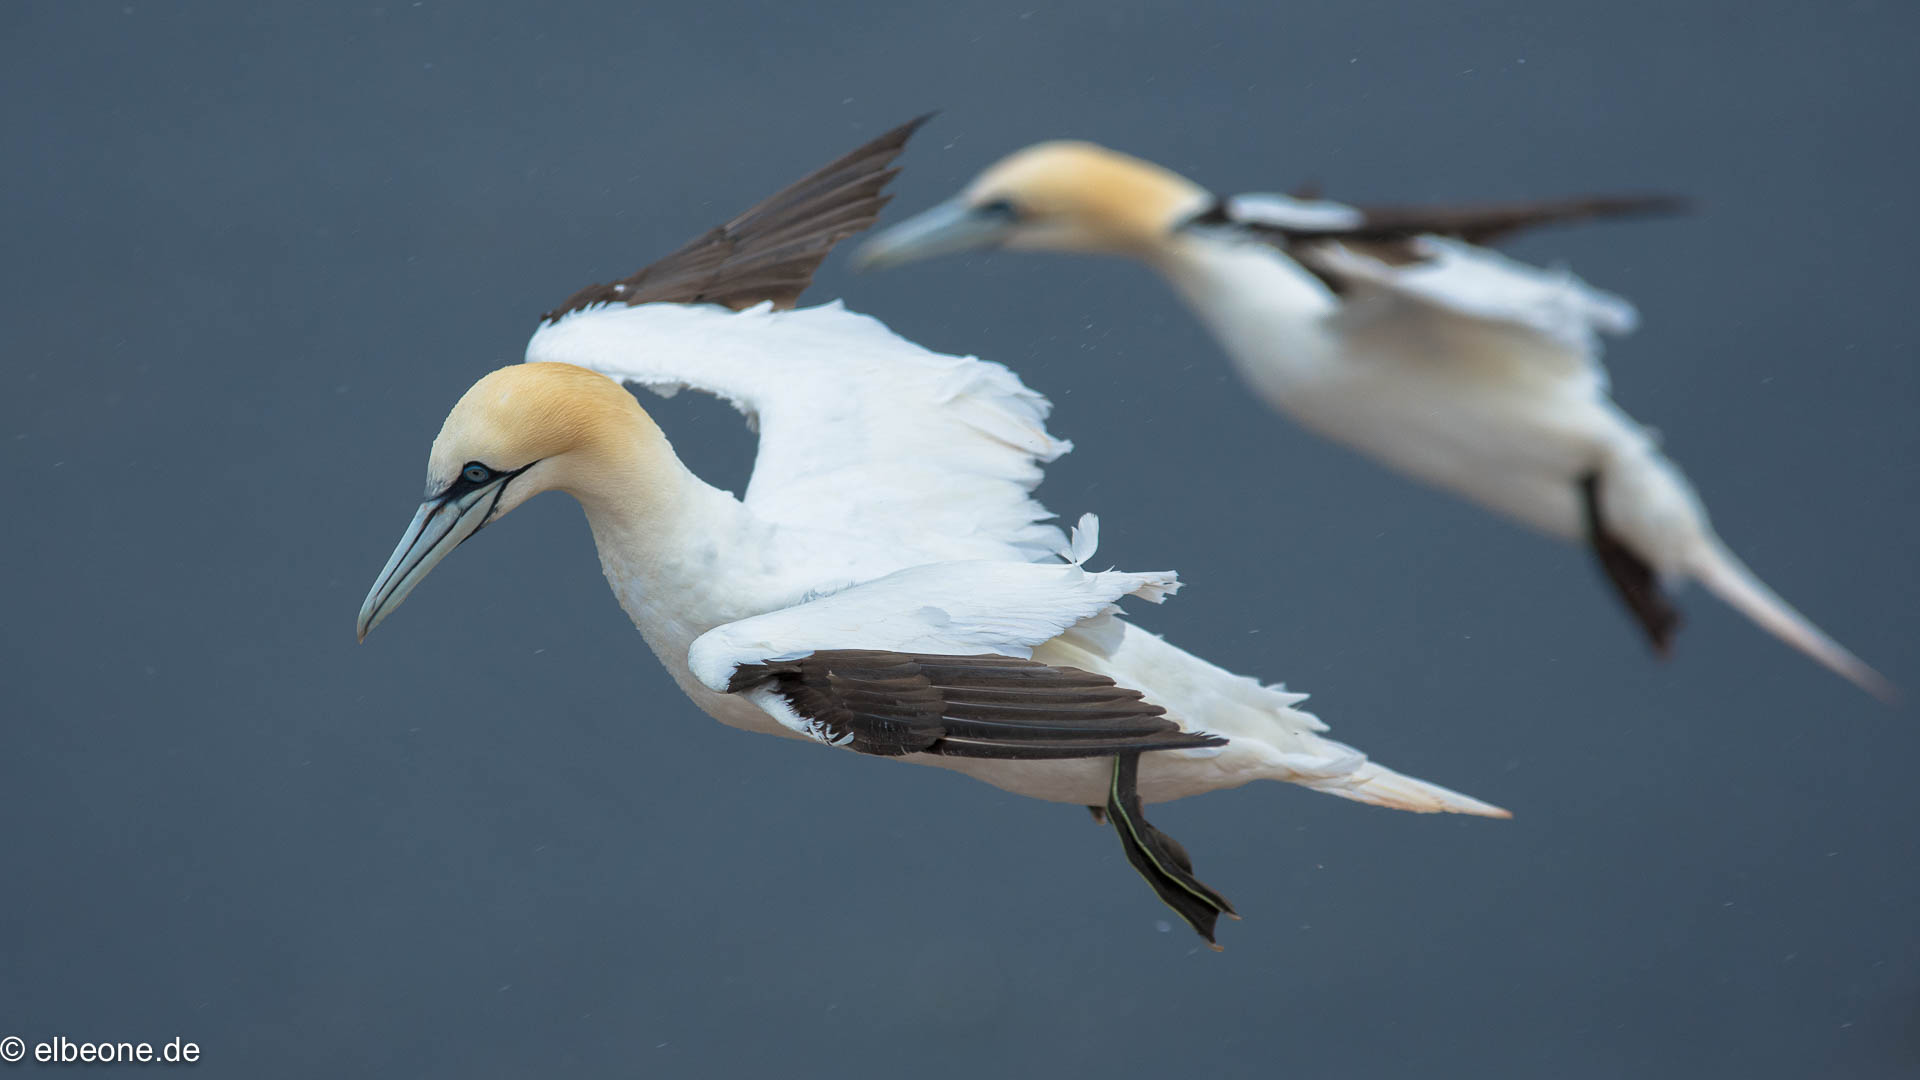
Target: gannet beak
x=942, y=230
x=441, y=525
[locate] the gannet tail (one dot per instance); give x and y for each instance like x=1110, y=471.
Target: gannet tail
x=1380, y=786
x=1728, y=578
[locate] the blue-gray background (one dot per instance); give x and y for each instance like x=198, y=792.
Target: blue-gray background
x=254, y=251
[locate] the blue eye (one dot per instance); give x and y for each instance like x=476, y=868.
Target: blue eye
x=477, y=474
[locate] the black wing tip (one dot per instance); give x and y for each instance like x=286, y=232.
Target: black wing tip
x=1501, y=222
x=910, y=128
x=1648, y=204
x=888, y=143
x=722, y=265
x=1478, y=223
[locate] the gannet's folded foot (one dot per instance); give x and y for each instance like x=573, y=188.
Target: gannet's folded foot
x=1099, y=814
x=1632, y=576
x=1159, y=857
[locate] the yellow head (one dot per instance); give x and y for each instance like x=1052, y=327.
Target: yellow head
x=1052, y=196
x=518, y=432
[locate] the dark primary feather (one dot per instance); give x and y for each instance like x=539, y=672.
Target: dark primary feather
x=771, y=251
x=1387, y=233
x=892, y=703
x=1487, y=223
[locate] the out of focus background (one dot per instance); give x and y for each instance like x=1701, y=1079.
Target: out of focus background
x=253, y=252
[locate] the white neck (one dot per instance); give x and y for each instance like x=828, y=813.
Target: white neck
x=681, y=558
x=1268, y=313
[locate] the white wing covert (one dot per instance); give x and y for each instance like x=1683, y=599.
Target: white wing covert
x=861, y=431
x=937, y=659
x=1291, y=214
x=1501, y=303
x=1425, y=271
x=957, y=608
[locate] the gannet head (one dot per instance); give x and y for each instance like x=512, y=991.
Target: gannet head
x=518, y=432
x=1052, y=196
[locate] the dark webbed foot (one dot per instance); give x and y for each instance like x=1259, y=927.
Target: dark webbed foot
x=1631, y=576
x=1099, y=814
x=1158, y=857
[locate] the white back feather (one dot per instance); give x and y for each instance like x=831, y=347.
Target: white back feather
x=958, y=608
x=1550, y=313
x=1287, y=212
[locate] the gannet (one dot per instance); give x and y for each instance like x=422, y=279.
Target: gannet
x=1392, y=331
x=888, y=585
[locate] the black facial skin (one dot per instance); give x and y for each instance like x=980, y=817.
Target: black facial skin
x=998, y=208
x=472, y=477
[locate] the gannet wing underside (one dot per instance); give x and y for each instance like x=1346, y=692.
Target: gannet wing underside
x=1304, y=216
x=1473, y=302
x=1410, y=273
x=860, y=429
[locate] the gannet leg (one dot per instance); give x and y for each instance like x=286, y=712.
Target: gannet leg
x=1631, y=576
x=1158, y=857
x=1099, y=814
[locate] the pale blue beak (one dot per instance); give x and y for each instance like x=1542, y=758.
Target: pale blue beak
x=950, y=227
x=440, y=525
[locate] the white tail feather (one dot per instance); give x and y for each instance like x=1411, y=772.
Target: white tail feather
x=1268, y=736
x=1728, y=578
x=1381, y=786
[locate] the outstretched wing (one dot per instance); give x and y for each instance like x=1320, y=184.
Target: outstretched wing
x=861, y=431
x=1301, y=218
x=1470, y=303
x=936, y=659
x=769, y=253
x=1402, y=271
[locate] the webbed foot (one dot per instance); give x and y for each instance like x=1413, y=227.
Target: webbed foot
x=1158, y=857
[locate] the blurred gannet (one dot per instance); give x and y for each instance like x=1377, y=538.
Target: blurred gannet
x=887, y=585
x=1392, y=331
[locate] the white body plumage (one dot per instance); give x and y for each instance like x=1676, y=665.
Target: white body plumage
x=1446, y=360
x=890, y=509
x=1481, y=375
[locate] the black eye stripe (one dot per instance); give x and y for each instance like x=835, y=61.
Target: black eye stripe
x=464, y=483
x=1000, y=208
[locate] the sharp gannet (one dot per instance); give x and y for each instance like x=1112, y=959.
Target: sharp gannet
x=888, y=584
x=1392, y=331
